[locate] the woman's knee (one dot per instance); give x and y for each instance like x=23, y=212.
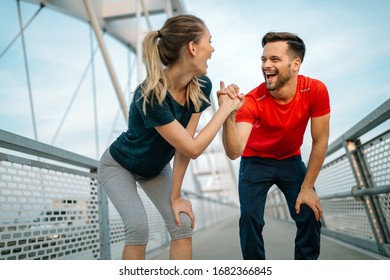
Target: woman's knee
x=183, y=231
x=137, y=234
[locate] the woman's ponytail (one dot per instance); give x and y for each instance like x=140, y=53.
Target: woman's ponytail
x=155, y=83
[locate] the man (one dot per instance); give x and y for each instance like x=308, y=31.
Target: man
x=267, y=132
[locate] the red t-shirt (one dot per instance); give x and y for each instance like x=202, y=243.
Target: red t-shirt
x=278, y=129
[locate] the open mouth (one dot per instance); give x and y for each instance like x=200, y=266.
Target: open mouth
x=270, y=75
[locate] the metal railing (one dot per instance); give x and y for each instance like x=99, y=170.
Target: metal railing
x=354, y=186
x=52, y=206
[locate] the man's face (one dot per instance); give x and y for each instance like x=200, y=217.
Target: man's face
x=276, y=65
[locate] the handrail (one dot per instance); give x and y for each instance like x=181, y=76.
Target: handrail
x=377, y=117
x=26, y=145
x=358, y=193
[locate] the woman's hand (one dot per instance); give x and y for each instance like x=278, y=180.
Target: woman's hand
x=231, y=91
x=181, y=205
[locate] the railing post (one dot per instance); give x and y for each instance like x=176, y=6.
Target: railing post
x=104, y=225
x=371, y=203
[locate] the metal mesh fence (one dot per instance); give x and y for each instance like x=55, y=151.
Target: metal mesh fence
x=47, y=214
x=335, y=177
x=377, y=156
x=348, y=216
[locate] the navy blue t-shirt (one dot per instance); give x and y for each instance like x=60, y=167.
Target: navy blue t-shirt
x=141, y=149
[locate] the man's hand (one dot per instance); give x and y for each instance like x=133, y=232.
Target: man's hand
x=309, y=197
x=232, y=91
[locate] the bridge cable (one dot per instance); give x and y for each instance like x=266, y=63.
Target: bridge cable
x=93, y=78
x=20, y=32
x=74, y=96
x=27, y=72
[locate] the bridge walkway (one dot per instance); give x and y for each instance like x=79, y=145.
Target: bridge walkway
x=221, y=242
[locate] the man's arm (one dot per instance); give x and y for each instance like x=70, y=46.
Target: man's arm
x=320, y=136
x=235, y=136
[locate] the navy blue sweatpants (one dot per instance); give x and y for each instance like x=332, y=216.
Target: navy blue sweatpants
x=256, y=177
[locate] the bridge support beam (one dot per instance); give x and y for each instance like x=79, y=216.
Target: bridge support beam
x=95, y=25
x=371, y=202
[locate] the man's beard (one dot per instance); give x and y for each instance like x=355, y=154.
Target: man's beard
x=280, y=82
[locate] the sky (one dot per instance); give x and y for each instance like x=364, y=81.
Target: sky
x=348, y=48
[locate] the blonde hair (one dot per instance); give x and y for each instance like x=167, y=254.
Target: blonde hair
x=162, y=48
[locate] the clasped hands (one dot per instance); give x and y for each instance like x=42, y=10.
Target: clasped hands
x=232, y=91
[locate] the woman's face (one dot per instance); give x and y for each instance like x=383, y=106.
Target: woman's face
x=203, y=50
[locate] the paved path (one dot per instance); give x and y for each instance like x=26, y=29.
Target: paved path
x=221, y=242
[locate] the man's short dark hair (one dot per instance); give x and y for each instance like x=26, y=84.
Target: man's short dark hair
x=295, y=44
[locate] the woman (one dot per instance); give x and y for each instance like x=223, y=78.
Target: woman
x=163, y=118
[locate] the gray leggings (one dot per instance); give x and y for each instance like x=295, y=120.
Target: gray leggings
x=121, y=187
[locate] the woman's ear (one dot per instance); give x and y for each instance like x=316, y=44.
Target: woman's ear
x=192, y=48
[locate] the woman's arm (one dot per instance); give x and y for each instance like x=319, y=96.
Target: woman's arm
x=180, y=165
x=184, y=142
